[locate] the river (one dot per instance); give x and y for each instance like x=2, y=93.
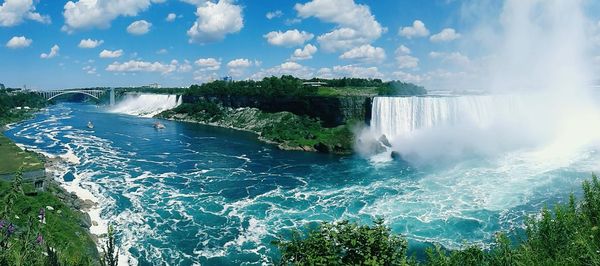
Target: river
x=192, y=194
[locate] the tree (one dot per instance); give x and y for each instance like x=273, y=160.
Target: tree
x=345, y=243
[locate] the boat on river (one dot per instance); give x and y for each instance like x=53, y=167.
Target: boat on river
x=159, y=125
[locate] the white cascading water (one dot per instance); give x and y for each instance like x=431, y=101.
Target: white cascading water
x=146, y=105
x=401, y=116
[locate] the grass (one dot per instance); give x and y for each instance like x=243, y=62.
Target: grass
x=348, y=91
x=12, y=157
x=62, y=230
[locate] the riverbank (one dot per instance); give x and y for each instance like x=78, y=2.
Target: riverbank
x=71, y=224
x=285, y=130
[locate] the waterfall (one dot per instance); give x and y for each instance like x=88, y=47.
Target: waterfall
x=402, y=116
x=146, y=105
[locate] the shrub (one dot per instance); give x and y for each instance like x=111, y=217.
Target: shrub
x=345, y=243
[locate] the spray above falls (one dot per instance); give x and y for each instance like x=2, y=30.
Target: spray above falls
x=537, y=74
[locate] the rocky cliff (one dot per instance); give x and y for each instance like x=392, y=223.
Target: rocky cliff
x=332, y=111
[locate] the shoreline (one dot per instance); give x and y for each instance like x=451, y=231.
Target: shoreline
x=90, y=204
x=279, y=145
x=73, y=194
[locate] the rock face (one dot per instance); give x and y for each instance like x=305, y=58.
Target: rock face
x=332, y=111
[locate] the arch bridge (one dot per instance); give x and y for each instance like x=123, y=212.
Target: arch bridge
x=96, y=93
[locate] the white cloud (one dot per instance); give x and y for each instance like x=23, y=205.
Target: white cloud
x=306, y=53
x=89, y=69
x=171, y=17
x=142, y=66
x=407, y=61
x=418, y=29
x=215, y=21
x=289, y=38
x=18, y=42
x=162, y=51
x=446, y=35
x=53, y=52
x=239, y=63
x=208, y=64
x=205, y=77
x=286, y=68
x=365, y=53
x=13, y=12
x=274, y=14
x=454, y=58
x=357, y=71
x=185, y=67
x=349, y=71
x=408, y=77
x=402, y=50
x=237, y=67
x=86, y=14
x=139, y=27
x=111, y=54
x=355, y=23
x=89, y=43
x=404, y=59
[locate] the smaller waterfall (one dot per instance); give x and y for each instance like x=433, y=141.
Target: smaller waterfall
x=146, y=105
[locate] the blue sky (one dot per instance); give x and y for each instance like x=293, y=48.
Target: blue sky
x=82, y=43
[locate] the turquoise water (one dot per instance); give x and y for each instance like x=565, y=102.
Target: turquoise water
x=192, y=194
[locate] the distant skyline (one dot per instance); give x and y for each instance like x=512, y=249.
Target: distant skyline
x=49, y=44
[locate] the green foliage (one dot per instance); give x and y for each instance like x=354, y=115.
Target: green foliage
x=203, y=110
x=31, y=235
x=289, y=86
x=267, y=87
x=345, y=243
x=398, y=88
x=9, y=100
x=111, y=254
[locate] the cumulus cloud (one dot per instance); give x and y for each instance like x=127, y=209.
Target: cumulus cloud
x=454, y=58
x=289, y=38
x=208, y=64
x=274, y=14
x=404, y=59
x=239, y=63
x=53, y=52
x=215, y=21
x=407, y=61
x=142, y=66
x=305, y=53
x=417, y=29
x=18, y=42
x=89, y=69
x=14, y=12
x=89, y=43
x=111, y=54
x=365, y=53
x=446, y=35
x=237, y=67
x=350, y=71
x=139, y=27
x=355, y=23
x=286, y=68
x=408, y=77
x=86, y=14
x=185, y=67
x=171, y=17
